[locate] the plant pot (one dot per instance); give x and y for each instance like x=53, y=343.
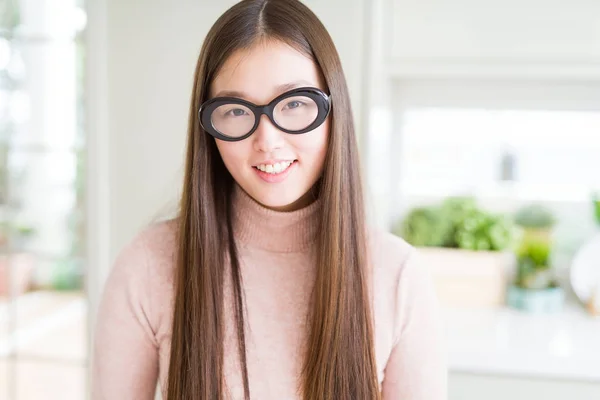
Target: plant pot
x=468, y=279
x=536, y=300
x=537, y=279
x=21, y=273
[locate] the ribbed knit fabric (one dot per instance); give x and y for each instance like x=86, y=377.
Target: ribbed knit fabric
x=277, y=256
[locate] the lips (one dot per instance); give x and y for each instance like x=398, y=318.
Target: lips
x=275, y=172
x=274, y=168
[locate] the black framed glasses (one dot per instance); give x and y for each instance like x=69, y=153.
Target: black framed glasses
x=297, y=111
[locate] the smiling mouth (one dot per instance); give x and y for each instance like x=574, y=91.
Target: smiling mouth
x=275, y=168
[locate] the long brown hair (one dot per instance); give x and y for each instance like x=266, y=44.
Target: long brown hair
x=340, y=360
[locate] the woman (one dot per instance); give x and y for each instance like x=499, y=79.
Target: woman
x=269, y=285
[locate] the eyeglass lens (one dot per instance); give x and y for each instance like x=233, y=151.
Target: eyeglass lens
x=292, y=113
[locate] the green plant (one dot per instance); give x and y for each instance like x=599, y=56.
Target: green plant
x=68, y=274
x=533, y=265
x=19, y=233
x=597, y=206
x=483, y=231
x=534, y=216
x=424, y=226
x=24, y=231
x=538, y=251
x=456, y=210
x=456, y=223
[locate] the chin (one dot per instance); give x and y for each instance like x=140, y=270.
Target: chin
x=283, y=203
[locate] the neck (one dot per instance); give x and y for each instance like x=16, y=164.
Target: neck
x=275, y=230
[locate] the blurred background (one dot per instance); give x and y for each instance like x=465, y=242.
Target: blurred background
x=479, y=129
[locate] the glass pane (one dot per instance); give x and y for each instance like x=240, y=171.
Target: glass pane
x=49, y=381
x=9, y=15
x=41, y=199
x=47, y=18
x=66, y=274
x=10, y=283
x=17, y=275
x=545, y=152
x=42, y=101
x=51, y=318
x=5, y=318
x=41, y=170
x=17, y=271
x=46, y=203
x=6, y=321
x=47, y=231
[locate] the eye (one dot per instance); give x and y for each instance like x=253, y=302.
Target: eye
x=293, y=104
x=236, y=112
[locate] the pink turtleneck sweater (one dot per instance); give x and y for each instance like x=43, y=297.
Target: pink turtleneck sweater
x=132, y=330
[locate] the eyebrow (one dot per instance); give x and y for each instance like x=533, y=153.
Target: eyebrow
x=278, y=90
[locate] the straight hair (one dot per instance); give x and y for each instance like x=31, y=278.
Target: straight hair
x=339, y=363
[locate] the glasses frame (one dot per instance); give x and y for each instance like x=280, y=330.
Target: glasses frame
x=322, y=100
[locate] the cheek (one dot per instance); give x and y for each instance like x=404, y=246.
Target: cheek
x=232, y=154
x=314, y=144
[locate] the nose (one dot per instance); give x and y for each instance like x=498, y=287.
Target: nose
x=267, y=136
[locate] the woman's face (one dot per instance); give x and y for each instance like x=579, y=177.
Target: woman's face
x=259, y=75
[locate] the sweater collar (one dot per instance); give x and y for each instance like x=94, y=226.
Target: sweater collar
x=276, y=231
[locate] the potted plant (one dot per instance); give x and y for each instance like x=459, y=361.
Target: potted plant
x=466, y=249
x=536, y=221
x=535, y=287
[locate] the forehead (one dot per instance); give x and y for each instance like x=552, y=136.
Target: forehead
x=264, y=71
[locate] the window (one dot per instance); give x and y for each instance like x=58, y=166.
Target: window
x=533, y=155
x=43, y=306
x=506, y=142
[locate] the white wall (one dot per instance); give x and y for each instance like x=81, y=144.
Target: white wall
x=141, y=59
x=462, y=34
x=152, y=48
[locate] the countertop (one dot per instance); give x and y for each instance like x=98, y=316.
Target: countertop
x=509, y=342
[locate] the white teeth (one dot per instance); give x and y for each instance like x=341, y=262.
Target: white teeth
x=274, y=168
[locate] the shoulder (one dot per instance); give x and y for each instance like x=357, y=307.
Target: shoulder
x=388, y=253
x=158, y=238
x=395, y=261
x=149, y=255
x=141, y=278
x=402, y=283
